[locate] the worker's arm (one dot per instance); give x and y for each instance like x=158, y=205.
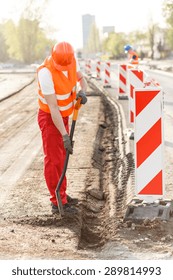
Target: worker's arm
x=83, y=85
x=55, y=113
x=58, y=121
x=82, y=81
x=47, y=88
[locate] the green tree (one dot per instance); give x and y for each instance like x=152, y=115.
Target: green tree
x=27, y=37
x=11, y=40
x=114, y=45
x=168, y=14
x=27, y=41
x=43, y=46
x=33, y=43
x=136, y=37
x=139, y=40
x=4, y=47
x=152, y=30
x=93, y=45
x=29, y=31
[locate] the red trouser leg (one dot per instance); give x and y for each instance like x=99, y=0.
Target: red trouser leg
x=54, y=155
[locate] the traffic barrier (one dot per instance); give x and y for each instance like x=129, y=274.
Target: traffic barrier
x=98, y=70
x=140, y=210
x=88, y=67
x=107, y=75
x=148, y=138
x=135, y=80
x=150, y=82
x=122, y=82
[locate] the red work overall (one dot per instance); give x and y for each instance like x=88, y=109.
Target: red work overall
x=54, y=154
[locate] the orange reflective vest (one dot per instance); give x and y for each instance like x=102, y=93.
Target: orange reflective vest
x=65, y=89
x=133, y=57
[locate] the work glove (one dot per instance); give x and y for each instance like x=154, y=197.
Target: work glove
x=83, y=96
x=67, y=143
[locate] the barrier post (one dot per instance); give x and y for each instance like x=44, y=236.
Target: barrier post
x=107, y=75
x=135, y=80
x=122, y=82
x=89, y=67
x=148, y=121
x=98, y=70
x=86, y=67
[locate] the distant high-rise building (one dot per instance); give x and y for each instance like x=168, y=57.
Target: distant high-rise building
x=87, y=22
x=108, y=29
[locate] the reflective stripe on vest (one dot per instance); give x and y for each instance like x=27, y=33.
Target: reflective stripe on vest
x=60, y=97
x=61, y=108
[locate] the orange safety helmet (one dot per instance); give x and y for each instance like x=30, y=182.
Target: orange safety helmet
x=63, y=56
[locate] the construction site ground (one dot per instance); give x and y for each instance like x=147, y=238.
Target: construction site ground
x=28, y=230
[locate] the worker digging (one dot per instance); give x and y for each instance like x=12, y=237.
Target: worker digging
x=58, y=76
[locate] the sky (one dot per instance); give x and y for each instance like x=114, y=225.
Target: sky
x=65, y=16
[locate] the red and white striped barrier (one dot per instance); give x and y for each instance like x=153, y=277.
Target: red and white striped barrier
x=107, y=75
x=88, y=67
x=135, y=80
x=98, y=70
x=150, y=82
x=148, y=120
x=122, y=82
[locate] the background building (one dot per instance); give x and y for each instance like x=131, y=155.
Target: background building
x=87, y=22
x=108, y=29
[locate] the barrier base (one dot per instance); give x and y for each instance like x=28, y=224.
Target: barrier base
x=131, y=137
x=107, y=86
x=123, y=97
x=130, y=133
x=140, y=210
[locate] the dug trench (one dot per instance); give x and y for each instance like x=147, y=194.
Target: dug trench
x=105, y=205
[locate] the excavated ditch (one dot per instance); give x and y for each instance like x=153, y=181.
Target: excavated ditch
x=105, y=204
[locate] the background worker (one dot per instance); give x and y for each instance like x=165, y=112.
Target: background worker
x=58, y=77
x=132, y=55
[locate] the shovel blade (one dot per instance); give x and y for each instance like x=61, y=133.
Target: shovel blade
x=60, y=206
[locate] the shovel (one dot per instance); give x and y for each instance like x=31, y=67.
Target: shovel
x=57, y=191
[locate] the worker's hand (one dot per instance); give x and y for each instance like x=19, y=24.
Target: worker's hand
x=83, y=96
x=67, y=143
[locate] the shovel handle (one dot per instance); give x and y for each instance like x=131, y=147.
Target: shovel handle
x=76, y=108
x=58, y=197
